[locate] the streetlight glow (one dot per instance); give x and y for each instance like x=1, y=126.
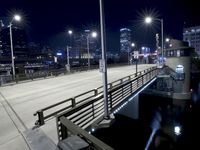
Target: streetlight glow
x=70, y=32
x=17, y=17
x=167, y=40
x=133, y=44
x=148, y=20
x=94, y=34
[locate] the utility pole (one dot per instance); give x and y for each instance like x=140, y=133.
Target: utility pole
x=104, y=63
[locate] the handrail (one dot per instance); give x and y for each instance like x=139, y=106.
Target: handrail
x=68, y=127
x=90, y=95
x=85, y=114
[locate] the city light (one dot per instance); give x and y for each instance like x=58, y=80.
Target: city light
x=17, y=17
x=70, y=32
x=167, y=40
x=133, y=44
x=177, y=130
x=94, y=34
x=148, y=20
x=59, y=54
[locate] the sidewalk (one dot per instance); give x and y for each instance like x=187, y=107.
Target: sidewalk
x=10, y=134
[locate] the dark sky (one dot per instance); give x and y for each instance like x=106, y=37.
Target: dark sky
x=47, y=20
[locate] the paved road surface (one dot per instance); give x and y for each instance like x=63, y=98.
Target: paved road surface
x=18, y=102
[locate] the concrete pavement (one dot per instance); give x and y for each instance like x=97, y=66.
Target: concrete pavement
x=20, y=101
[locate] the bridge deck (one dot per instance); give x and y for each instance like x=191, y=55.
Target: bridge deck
x=22, y=100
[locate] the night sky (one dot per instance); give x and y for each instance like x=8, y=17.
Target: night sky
x=48, y=20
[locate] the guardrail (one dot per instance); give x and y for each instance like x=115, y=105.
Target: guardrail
x=93, y=99
x=95, y=144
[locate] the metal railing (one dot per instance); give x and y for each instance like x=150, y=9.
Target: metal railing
x=91, y=102
x=80, y=117
x=67, y=127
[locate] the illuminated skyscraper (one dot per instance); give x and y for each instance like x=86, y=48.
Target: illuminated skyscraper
x=125, y=40
x=192, y=36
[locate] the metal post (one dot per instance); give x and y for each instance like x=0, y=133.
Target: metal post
x=12, y=54
x=161, y=20
x=128, y=58
x=103, y=46
x=68, y=65
x=88, y=50
x=136, y=66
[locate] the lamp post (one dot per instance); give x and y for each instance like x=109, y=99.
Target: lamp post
x=148, y=20
x=70, y=32
x=94, y=35
x=104, y=66
x=135, y=55
x=16, y=18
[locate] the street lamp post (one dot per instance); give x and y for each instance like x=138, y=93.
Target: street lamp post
x=104, y=66
x=17, y=18
x=148, y=20
x=94, y=35
x=70, y=32
x=88, y=50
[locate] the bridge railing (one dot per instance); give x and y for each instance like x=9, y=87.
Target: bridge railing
x=81, y=117
x=117, y=90
x=94, y=143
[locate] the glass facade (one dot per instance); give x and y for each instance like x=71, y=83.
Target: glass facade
x=125, y=40
x=192, y=36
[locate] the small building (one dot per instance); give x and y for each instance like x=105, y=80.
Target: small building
x=178, y=58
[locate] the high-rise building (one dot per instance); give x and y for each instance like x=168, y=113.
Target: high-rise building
x=125, y=40
x=192, y=36
x=20, y=47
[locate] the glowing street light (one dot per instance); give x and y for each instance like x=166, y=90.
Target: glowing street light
x=167, y=40
x=148, y=20
x=70, y=32
x=15, y=18
x=94, y=35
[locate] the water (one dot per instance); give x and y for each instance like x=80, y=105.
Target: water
x=161, y=125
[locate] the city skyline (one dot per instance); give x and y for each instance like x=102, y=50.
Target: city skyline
x=48, y=21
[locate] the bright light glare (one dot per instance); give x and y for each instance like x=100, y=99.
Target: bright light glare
x=177, y=130
x=94, y=34
x=133, y=44
x=70, y=32
x=17, y=17
x=167, y=39
x=148, y=20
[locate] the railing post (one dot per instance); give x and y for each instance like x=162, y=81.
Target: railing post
x=111, y=101
x=129, y=78
x=110, y=84
x=40, y=118
x=93, y=110
x=16, y=78
x=64, y=133
x=131, y=86
x=142, y=80
x=95, y=92
x=73, y=102
x=121, y=80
